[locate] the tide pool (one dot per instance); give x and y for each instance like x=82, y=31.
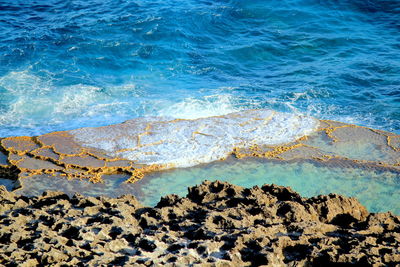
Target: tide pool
x=376, y=188
x=153, y=157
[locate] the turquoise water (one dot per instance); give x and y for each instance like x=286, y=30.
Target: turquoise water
x=377, y=190
x=68, y=64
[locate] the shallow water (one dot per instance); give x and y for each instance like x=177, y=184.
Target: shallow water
x=65, y=65
x=377, y=189
x=9, y=184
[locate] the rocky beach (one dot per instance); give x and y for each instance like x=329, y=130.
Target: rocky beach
x=216, y=224
x=145, y=145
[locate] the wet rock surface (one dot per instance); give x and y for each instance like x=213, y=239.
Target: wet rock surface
x=216, y=224
x=144, y=145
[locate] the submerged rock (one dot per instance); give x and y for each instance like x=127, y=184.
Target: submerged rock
x=216, y=224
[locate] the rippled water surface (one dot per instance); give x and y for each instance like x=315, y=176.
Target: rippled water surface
x=68, y=64
x=376, y=189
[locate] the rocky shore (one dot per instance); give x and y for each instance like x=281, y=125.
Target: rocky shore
x=216, y=224
x=145, y=145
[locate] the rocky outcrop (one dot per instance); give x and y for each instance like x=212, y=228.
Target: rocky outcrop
x=216, y=224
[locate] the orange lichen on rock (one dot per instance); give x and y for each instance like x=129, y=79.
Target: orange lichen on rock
x=335, y=141
x=59, y=154
x=394, y=142
x=325, y=157
x=263, y=152
x=13, y=158
x=56, y=154
x=83, y=161
x=139, y=173
x=19, y=145
x=280, y=149
x=45, y=153
x=61, y=142
x=28, y=163
x=332, y=127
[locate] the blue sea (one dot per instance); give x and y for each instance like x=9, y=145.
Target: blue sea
x=69, y=64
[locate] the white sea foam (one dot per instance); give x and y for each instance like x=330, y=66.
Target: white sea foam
x=185, y=143
x=18, y=82
x=32, y=100
x=194, y=108
x=38, y=105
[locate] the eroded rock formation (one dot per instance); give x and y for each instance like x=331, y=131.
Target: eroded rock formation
x=216, y=224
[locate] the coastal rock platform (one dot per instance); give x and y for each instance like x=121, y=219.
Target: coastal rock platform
x=216, y=224
x=144, y=145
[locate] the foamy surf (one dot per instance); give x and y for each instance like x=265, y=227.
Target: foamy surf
x=185, y=143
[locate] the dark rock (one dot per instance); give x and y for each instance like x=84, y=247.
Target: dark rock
x=168, y=201
x=147, y=245
x=175, y=247
x=72, y=233
x=282, y=193
x=297, y=252
x=115, y=231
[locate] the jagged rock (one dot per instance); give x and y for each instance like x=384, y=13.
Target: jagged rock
x=6, y=196
x=338, y=210
x=116, y=245
x=216, y=224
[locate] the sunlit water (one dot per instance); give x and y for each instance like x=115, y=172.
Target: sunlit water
x=68, y=64
x=377, y=189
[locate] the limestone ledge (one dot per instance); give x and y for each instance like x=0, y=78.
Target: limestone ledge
x=144, y=145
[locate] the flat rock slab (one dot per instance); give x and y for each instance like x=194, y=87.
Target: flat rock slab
x=143, y=145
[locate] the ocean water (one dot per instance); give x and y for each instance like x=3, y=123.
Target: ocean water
x=69, y=64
